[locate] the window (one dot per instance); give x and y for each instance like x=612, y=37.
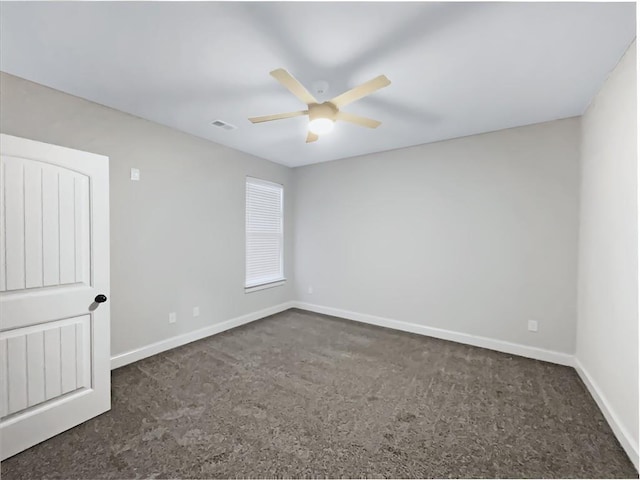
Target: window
x=264, y=239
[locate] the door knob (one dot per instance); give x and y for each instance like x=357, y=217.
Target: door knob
x=100, y=298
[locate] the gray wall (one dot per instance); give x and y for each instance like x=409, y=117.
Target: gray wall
x=177, y=236
x=607, y=330
x=475, y=235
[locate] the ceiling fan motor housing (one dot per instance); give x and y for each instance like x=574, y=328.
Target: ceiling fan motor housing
x=322, y=110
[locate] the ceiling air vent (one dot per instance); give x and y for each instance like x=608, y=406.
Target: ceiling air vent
x=223, y=125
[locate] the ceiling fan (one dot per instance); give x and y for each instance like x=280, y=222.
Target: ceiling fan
x=322, y=116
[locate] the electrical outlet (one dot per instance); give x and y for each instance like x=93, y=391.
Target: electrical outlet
x=533, y=326
x=310, y=290
x=135, y=174
x=196, y=311
x=173, y=317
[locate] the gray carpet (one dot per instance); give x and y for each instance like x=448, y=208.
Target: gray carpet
x=305, y=395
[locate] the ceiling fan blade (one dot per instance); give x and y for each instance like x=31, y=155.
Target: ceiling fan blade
x=311, y=137
x=293, y=85
x=358, y=120
x=278, y=116
x=360, y=91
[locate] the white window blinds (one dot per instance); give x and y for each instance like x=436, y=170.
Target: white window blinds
x=263, y=233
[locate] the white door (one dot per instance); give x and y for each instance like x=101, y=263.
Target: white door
x=54, y=262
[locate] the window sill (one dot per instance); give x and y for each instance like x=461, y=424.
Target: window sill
x=264, y=286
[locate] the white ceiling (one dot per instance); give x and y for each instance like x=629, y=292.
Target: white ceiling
x=456, y=68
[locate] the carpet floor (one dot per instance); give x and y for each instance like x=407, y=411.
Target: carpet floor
x=305, y=395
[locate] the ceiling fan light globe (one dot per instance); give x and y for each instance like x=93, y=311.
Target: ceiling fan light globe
x=320, y=126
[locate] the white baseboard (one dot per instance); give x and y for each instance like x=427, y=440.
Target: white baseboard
x=131, y=356
x=621, y=433
x=484, y=342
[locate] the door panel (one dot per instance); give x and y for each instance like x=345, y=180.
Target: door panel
x=47, y=225
x=46, y=361
x=54, y=339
